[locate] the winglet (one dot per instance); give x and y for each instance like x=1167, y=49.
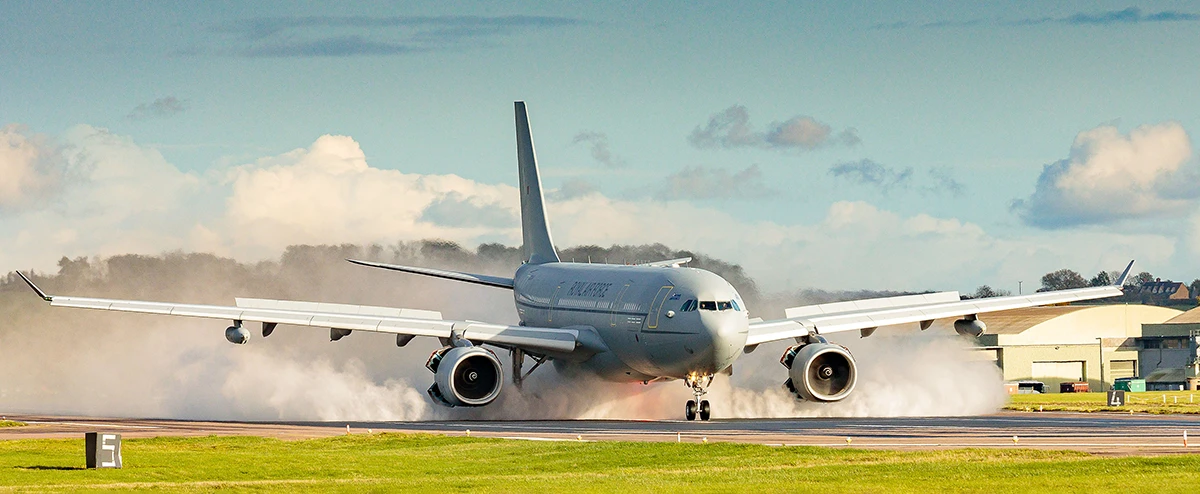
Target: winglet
x=35, y=288
x=1121, y=279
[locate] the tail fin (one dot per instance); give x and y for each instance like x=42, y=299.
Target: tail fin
x=535, y=230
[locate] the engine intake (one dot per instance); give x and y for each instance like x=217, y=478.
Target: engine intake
x=820, y=371
x=464, y=376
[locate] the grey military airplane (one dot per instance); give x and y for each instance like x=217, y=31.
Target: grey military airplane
x=635, y=323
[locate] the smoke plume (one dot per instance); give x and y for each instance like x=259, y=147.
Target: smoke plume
x=69, y=361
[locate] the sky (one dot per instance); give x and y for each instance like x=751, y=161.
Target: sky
x=849, y=145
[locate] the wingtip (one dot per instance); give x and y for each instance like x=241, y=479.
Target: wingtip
x=35, y=287
x=1124, y=275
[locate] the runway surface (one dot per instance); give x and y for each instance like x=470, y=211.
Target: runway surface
x=1101, y=433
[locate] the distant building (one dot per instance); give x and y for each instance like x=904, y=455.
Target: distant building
x=1169, y=353
x=1159, y=292
x=1064, y=343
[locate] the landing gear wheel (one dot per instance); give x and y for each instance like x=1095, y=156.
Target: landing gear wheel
x=689, y=411
x=705, y=410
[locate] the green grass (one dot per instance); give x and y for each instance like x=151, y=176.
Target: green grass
x=1145, y=402
x=10, y=423
x=390, y=462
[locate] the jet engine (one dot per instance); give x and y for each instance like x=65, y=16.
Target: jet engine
x=970, y=326
x=464, y=376
x=237, y=335
x=820, y=371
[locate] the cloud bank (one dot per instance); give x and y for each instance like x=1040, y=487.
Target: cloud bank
x=31, y=169
x=126, y=198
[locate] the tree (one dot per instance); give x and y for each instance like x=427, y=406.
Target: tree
x=985, y=291
x=1141, y=279
x=1195, y=287
x=1062, y=279
x=1101, y=279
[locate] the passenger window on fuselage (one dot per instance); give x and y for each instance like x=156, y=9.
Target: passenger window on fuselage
x=708, y=305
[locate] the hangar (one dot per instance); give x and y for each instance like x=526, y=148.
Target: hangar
x=1169, y=353
x=1068, y=343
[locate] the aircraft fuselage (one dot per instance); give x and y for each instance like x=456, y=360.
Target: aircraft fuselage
x=655, y=321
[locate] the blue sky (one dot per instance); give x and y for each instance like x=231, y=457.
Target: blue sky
x=852, y=145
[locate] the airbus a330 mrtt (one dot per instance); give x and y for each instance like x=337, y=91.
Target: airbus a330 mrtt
x=641, y=323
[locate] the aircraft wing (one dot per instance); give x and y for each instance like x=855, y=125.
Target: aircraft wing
x=866, y=315
x=340, y=317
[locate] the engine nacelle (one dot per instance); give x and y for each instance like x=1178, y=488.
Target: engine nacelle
x=970, y=327
x=465, y=376
x=237, y=335
x=820, y=371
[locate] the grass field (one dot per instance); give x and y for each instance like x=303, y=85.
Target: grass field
x=388, y=462
x=1147, y=402
x=11, y=423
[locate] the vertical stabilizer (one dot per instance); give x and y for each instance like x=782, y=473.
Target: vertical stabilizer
x=535, y=230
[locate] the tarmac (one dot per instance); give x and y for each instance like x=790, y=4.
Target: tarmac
x=1098, y=433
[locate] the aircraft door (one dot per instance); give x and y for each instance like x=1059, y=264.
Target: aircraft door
x=614, y=315
x=553, y=302
x=656, y=306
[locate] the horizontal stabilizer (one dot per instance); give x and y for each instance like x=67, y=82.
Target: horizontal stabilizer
x=481, y=279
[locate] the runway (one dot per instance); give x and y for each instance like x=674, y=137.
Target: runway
x=1101, y=433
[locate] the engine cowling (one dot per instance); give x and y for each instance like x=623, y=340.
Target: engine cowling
x=820, y=371
x=465, y=376
x=237, y=335
x=970, y=327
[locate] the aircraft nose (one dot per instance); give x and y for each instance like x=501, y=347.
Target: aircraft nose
x=727, y=332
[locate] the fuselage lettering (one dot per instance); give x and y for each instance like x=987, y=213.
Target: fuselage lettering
x=586, y=289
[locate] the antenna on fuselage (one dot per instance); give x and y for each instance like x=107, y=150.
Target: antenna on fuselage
x=538, y=248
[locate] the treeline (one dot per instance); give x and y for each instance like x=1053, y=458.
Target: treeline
x=1064, y=279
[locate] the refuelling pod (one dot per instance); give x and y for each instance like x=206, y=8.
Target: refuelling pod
x=464, y=376
x=237, y=335
x=820, y=371
x=970, y=326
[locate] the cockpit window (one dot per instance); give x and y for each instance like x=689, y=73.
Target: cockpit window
x=708, y=305
x=688, y=306
x=724, y=305
x=735, y=305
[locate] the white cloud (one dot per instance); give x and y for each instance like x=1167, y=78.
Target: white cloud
x=1110, y=176
x=328, y=193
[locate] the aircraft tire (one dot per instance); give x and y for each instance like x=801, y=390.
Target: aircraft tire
x=689, y=411
x=705, y=410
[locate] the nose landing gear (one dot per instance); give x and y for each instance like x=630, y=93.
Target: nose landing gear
x=699, y=385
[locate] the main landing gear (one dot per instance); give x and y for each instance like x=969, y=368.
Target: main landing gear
x=699, y=385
